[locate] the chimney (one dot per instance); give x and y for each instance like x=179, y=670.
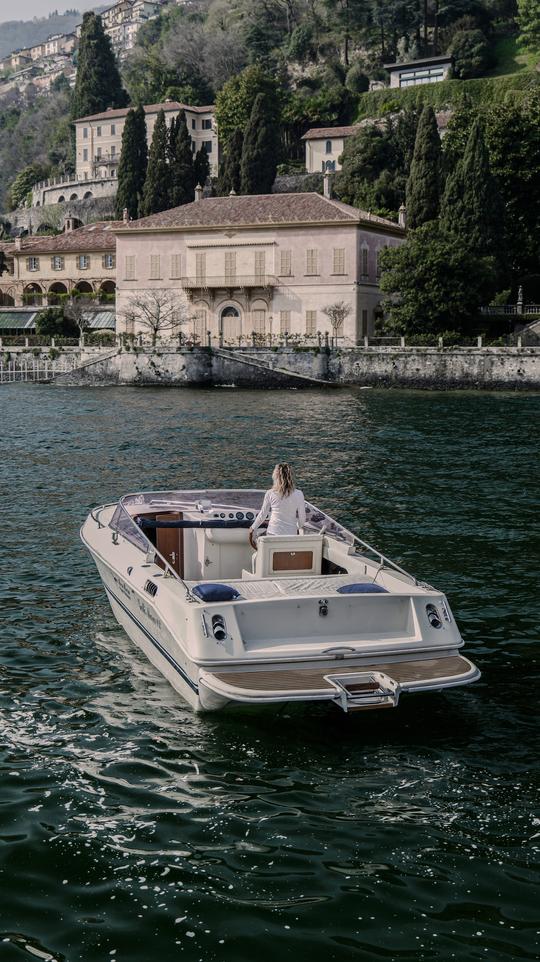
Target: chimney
x=18, y=243
x=198, y=192
x=402, y=216
x=125, y=215
x=232, y=193
x=326, y=185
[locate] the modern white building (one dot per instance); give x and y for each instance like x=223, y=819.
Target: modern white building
x=414, y=73
x=261, y=264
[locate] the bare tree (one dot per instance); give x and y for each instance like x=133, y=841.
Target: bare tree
x=160, y=313
x=337, y=313
x=77, y=310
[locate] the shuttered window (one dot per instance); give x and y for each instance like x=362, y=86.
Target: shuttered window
x=311, y=322
x=339, y=260
x=200, y=324
x=260, y=263
x=176, y=266
x=259, y=321
x=312, y=262
x=285, y=263
x=155, y=268
x=32, y=263
x=108, y=261
x=83, y=262
x=57, y=263
x=365, y=267
x=130, y=267
x=284, y=322
x=230, y=265
x=200, y=266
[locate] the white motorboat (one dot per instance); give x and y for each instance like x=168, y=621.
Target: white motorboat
x=316, y=617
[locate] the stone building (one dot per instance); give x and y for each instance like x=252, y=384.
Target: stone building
x=43, y=269
x=98, y=141
x=263, y=264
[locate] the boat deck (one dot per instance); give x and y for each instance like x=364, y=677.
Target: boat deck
x=317, y=679
x=281, y=587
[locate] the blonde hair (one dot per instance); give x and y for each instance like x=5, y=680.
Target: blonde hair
x=283, y=479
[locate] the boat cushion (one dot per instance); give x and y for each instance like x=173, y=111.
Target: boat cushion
x=215, y=592
x=361, y=588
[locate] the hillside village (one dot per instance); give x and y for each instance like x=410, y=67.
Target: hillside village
x=396, y=173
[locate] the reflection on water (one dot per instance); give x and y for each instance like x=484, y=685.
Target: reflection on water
x=132, y=828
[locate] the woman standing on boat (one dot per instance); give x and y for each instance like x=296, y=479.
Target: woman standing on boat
x=284, y=504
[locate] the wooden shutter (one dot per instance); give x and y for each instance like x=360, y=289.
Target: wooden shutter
x=285, y=263
x=339, y=260
x=259, y=321
x=311, y=322
x=284, y=322
x=130, y=267
x=260, y=264
x=312, y=266
x=176, y=266
x=230, y=265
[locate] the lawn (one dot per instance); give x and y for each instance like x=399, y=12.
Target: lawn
x=510, y=57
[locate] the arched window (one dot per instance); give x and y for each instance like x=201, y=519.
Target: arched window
x=88, y=195
x=328, y=146
x=74, y=197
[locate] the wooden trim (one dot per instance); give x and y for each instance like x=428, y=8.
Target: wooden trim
x=292, y=560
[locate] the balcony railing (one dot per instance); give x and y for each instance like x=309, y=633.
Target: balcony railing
x=229, y=281
x=106, y=158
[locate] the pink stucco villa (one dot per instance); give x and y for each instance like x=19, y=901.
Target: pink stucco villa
x=267, y=264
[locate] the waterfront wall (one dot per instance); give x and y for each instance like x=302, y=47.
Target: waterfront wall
x=415, y=367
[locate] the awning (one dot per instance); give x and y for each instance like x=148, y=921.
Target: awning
x=100, y=321
x=17, y=320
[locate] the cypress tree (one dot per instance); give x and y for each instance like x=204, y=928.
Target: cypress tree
x=132, y=165
x=471, y=208
x=229, y=170
x=156, y=191
x=181, y=176
x=98, y=84
x=259, y=159
x=423, y=185
x=201, y=167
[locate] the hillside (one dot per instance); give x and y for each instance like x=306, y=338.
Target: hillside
x=15, y=34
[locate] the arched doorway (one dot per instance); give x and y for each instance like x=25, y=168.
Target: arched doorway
x=83, y=289
x=230, y=324
x=33, y=295
x=55, y=292
x=6, y=300
x=107, y=292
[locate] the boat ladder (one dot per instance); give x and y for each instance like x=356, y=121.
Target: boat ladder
x=366, y=689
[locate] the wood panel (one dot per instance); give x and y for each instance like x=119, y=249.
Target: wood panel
x=170, y=541
x=292, y=560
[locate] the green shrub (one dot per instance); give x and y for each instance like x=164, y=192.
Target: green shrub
x=471, y=53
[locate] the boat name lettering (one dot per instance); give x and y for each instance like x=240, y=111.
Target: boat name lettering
x=123, y=587
x=145, y=610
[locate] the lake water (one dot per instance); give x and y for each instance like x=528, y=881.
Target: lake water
x=132, y=829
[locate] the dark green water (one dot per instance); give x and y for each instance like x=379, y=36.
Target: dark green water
x=131, y=829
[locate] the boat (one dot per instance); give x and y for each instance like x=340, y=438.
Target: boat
x=320, y=616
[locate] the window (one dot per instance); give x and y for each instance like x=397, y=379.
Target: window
x=155, y=273
x=364, y=321
x=83, y=262
x=285, y=263
x=200, y=266
x=176, y=266
x=57, y=263
x=32, y=263
x=130, y=267
x=259, y=321
x=260, y=264
x=85, y=133
x=328, y=147
x=365, y=267
x=284, y=322
x=339, y=260
x=193, y=124
x=207, y=124
x=379, y=269
x=113, y=129
x=230, y=265
x=312, y=262
x=207, y=144
x=98, y=131
x=427, y=75
x=85, y=154
x=98, y=152
x=113, y=150
x=109, y=261
x=311, y=322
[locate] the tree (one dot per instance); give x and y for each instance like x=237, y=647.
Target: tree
x=23, y=184
x=98, y=84
x=529, y=22
x=471, y=209
x=337, y=314
x=181, y=173
x=156, y=193
x=423, y=185
x=234, y=102
x=132, y=165
x=76, y=311
x=471, y=53
x=201, y=167
x=434, y=283
x=259, y=154
x=372, y=175
x=229, y=171
x=52, y=322
x=160, y=313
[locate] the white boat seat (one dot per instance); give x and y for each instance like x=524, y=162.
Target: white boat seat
x=281, y=556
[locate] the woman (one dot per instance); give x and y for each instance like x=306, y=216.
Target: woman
x=283, y=503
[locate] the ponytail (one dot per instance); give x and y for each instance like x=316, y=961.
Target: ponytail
x=283, y=480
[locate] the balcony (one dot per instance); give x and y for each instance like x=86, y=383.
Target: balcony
x=106, y=159
x=228, y=282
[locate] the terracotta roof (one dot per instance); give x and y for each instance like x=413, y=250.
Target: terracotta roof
x=256, y=209
x=92, y=237
x=148, y=109
x=321, y=132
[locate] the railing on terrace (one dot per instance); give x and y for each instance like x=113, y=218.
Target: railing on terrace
x=320, y=341
x=42, y=369
x=228, y=281
x=521, y=310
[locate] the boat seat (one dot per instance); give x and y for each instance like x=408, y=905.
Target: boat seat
x=281, y=556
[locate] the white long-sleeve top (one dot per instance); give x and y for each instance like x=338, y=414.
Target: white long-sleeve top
x=286, y=514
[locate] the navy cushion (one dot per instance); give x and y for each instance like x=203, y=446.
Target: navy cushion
x=362, y=588
x=215, y=592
